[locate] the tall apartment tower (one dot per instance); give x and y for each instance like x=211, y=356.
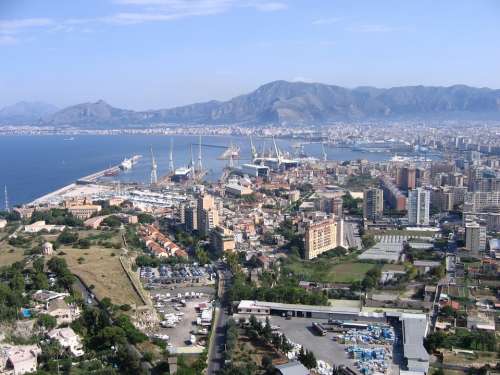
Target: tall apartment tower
x=406, y=178
x=208, y=215
x=418, y=207
x=475, y=237
x=191, y=217
x=373, y=203
x=323, y=236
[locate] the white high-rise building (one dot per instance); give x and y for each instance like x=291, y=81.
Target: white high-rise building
x=475, y=237
x=373, y=203
x=418, y=206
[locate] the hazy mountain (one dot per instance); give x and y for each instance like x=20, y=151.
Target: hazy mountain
x=99, y=113
x=25, y=112
x=298, y=103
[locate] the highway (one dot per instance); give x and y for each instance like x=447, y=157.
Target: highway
x=217, y=348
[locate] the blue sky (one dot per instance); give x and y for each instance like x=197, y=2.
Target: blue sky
x=144, y=54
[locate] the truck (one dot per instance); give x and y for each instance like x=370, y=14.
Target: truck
x=319, y=329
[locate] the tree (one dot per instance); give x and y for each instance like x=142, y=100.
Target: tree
x=145, y=218
x=267, y=330
x=67, y=237
x=307, y=358
x=83, y=243
x=368, y=240
x=17, y=282
x=448, y=311
x=202, y=256
x=46, y=321
x=111, y=221
x=38, y=264
x=40, y=281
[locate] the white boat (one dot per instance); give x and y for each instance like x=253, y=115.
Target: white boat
x=129, y=163
x=126, y=164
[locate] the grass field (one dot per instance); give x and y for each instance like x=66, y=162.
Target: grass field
x=329, y=270
x=10, y=254
x=99, y=267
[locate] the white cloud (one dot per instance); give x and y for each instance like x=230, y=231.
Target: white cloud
x=270, y=7
x=166, y=10
x=15, y=25
x=6, y=40
x=326, y=21
x=135, y=12
x=375, y=28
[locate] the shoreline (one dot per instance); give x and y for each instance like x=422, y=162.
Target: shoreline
x=91, y=178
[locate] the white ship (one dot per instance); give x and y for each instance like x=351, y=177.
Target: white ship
x=126, y=164
x=129, y=163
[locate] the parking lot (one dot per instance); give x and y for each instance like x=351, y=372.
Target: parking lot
x=176, y=274
x=180, y=314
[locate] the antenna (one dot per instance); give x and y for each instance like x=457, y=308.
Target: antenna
x=6, y=200
x=154, y=168
x=171, y=156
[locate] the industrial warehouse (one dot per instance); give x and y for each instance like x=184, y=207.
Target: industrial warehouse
x=412, y=327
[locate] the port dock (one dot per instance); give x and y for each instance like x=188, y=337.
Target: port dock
x=94, y=176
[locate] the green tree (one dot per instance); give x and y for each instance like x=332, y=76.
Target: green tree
x=46, y=321
x=40, y=281
x=368, y=240
x=202, y=256
x=112, y=222
x=17, y=282
x=145, y=218
x=67, y=237
x=38, y=264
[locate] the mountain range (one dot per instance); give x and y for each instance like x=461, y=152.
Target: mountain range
x=26, y=112
x=280, y=103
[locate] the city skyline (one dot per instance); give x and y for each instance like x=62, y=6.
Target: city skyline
x=144, y=54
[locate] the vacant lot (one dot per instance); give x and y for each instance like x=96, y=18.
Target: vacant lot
x=330, y=270
x=101, y=268
x=477, y=359
x=10, y=254
x=252, y=351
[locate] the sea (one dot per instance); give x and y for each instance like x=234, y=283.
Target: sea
x=32, y=166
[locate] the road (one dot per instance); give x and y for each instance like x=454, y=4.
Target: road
x=351, y=234
x=218, y=343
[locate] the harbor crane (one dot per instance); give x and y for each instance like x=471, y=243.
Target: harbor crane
x=154, y=169
x=6, y=199
x=171, y=157
x=200, y=164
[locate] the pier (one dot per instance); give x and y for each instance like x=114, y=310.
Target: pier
x=94, y=176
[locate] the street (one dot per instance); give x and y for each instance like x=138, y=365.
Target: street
x=216, y=350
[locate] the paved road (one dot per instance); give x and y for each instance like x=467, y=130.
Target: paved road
x=216, y=353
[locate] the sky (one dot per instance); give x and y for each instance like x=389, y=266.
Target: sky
x=150, y=54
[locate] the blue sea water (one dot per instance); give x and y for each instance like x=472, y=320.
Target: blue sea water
x=31, y=166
